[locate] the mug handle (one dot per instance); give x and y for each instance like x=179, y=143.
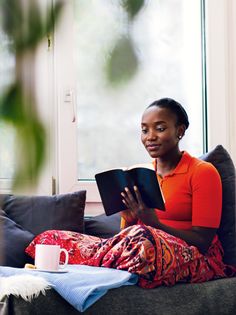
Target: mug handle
x=63, y=250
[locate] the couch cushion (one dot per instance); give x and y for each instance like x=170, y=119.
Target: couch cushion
x=40, y=213
x=211, y=298
x=16, y=239
x=221, y=159
x=102, y=225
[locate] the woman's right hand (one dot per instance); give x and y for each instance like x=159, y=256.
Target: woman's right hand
x=130, y=215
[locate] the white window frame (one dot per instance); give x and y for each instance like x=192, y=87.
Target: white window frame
x=66, y=135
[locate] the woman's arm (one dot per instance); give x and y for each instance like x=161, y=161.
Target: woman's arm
x=201, y=237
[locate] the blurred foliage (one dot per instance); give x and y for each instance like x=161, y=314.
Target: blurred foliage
x=25, y=25
x=123, y=62
x=132, y=6
x=30, y=134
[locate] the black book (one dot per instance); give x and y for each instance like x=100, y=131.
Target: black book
x=112, y=182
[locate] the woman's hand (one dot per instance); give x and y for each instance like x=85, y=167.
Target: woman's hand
x=137, y=209
x=129, y=215
x=134, y=205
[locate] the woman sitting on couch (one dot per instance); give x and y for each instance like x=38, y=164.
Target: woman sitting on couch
x=162, y=247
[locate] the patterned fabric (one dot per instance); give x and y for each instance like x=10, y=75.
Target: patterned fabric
x=157, y=257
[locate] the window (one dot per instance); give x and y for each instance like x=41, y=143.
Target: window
x=6, y=132
x=106, y=132
x=167, y=38
x=167, y=41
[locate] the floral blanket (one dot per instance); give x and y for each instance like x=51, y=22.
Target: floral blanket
x=157, y=257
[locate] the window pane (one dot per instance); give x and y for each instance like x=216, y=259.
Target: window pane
x=6, y=132
x=167, y=38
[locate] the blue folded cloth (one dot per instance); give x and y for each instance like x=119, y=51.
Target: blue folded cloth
x=82, y=285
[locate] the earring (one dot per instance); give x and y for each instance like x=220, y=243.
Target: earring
x=179, y=137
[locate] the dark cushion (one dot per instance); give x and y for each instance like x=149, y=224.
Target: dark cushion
x=221, y=159
x=40, y=213
x=16, y=239
x=102, y=225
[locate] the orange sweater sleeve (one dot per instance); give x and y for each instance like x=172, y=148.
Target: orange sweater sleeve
x=206, y=196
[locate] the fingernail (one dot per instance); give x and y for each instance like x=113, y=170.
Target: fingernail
x=126, y=189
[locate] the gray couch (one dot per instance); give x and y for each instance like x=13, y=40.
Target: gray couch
x=25, y=217
x=212, y=298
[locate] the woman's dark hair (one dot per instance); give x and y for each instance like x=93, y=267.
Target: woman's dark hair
x=175, y=107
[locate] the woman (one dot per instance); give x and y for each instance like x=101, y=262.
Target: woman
x=188, y=184
x=193, y=196
x=163, y=247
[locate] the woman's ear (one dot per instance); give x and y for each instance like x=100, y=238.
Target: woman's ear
x=181, y=131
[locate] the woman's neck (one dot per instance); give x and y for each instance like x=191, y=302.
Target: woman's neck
x=164, y=165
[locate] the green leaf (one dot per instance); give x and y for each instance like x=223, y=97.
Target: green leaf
x=31, y=144
x=11, y=106
x=132, y=6
x=27, y=27
x=34, y=30
x=122, y=63
x=52, y=18
x=12, y=20
x=20, y=112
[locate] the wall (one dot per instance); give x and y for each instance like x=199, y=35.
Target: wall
x=221, y=73
x=232, y=77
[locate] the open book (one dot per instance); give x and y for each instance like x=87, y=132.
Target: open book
x=112, y=182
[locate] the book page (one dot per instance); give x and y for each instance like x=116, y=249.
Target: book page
x=145, y=165
x=126, y=168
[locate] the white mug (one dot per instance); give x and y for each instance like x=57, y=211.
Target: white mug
x=47, y=257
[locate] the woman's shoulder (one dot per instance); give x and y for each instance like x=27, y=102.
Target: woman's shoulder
x=198, y=166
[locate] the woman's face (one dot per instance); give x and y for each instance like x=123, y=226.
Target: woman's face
x=160, y=131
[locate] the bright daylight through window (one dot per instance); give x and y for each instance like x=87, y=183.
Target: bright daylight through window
x=6, y=132
x=167, y=42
